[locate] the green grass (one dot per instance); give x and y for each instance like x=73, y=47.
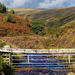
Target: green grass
x=2, y=43
x=5, y=68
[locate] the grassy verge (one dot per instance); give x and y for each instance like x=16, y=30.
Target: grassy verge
x=5, y=68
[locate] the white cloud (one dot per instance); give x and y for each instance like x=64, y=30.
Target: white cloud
x=14, y=3
x=18, y=3
x=37, y=3
x=51, y=3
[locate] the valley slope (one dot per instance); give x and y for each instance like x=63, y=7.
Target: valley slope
x=59, y=28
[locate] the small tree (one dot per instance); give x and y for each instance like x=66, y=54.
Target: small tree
x=2, y=8
x=37, y=27
x=12, y=11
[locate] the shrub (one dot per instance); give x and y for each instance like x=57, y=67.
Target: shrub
x=4, y=68
x=12, y=11
x=27, y=22
x=8, y=18
x=37, y=27
x=2, y=44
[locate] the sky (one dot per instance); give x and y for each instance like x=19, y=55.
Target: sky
x=44, y=4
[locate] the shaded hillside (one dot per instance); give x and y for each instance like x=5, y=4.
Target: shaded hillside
x=16, y=27
x=67, y=40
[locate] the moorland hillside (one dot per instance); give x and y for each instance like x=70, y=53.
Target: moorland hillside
x=39, y=28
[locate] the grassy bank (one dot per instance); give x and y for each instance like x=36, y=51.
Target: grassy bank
x=5, y=68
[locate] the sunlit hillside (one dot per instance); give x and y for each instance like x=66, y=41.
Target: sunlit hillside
x=39, y=28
